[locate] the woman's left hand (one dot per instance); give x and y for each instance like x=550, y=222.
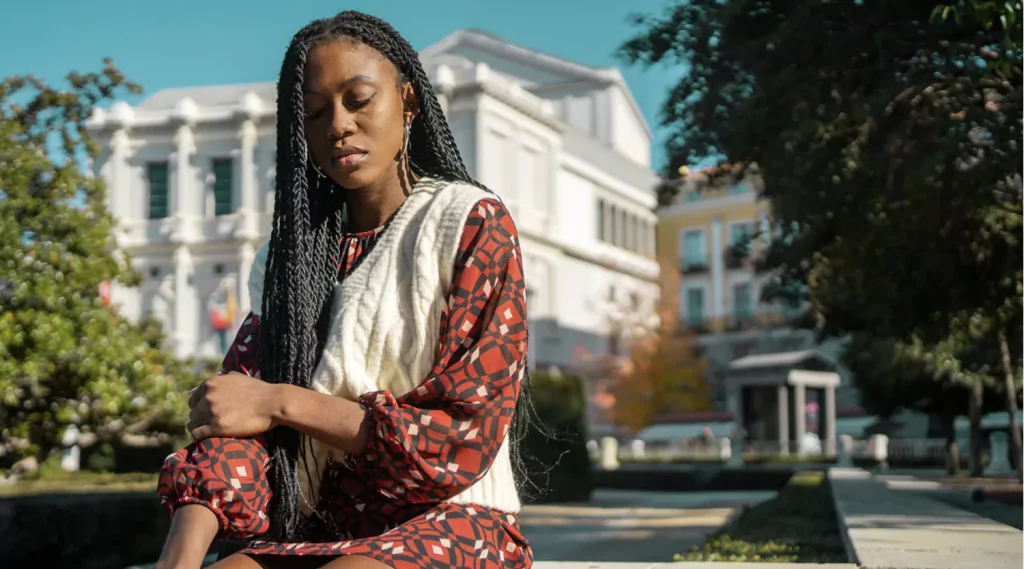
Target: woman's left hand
x=232, y=405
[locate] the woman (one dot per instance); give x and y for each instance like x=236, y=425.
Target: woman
x=362, y=416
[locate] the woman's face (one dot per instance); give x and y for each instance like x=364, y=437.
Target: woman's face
x=356, y=111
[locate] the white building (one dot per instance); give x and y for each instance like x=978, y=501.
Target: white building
x=190, y=176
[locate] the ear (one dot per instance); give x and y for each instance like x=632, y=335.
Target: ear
x=410, y=103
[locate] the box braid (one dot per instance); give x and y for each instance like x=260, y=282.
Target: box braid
x=308, y=224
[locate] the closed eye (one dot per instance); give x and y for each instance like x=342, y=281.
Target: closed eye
x=356, y=105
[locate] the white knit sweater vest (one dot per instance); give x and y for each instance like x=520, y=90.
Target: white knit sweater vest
x=385, y=323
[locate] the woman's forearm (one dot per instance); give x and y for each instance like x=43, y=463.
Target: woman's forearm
x=338, y=422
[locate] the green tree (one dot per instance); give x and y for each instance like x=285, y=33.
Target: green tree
x=887, y=134
x=892, y=376
x=65, y=356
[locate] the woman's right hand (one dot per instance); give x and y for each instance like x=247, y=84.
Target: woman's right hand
x=232, y=405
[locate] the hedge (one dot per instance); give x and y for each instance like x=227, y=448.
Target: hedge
x=554, y=452
x=670, y=478
x=96, y=530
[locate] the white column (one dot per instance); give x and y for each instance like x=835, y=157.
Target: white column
x=119, y=182
x=247, y=187
x=183, y=196
x=799, y=411
x=783, y=411
x=185, y=313
x=717, y=270
x=246, y=252
x=830, y=421
x=247, y=137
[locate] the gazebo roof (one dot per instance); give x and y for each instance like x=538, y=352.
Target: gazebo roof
x=804, y=359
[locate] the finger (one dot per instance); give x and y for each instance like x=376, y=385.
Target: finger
x=202, y=432
x=199, y=416
x=196, y=394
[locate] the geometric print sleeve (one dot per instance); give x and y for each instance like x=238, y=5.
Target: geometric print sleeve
x=225, y=475
x=434, y=442
x=243, y=356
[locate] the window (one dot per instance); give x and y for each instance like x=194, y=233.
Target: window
x=765, y=229
x=742, y=302
x=600, y=221
x=531, y=181
x=695, y=251
x=791, y=310
x=615, y=226
x=623, y=230
x=222, y=186
x=158, y=176
x=695, y=307
x=740, y=233
x=633, y=236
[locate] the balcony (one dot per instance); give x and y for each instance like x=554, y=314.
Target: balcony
x=766, y=319
x=738, y=256
x=693, y=267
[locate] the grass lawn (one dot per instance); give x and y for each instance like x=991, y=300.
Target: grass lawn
x=80, y=482
x=797, y=526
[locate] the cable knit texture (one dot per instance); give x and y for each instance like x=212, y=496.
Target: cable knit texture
x=385, y=323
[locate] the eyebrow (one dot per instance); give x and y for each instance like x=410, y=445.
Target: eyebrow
x=345, y=83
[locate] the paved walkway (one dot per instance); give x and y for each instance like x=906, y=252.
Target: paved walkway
x=629, y=526
x=892, y=524
x=690, y=565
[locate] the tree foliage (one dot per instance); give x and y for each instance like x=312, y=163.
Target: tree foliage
x=888, y=140
x=893, y=376
x=65, y=356
x=665, y=374
x=888, y=136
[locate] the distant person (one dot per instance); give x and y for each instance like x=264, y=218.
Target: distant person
x=707, y=436
x=362, y=419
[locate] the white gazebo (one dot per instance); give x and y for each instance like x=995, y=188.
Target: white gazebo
x=784, y=396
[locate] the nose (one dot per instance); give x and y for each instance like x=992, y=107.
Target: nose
x=342, y=122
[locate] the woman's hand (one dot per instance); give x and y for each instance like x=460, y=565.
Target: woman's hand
x=232, y=405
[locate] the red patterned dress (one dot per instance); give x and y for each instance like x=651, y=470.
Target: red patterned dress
x=416, y=434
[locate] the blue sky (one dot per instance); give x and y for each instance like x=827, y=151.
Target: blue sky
x=191, y=42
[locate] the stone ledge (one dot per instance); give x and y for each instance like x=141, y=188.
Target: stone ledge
x=686, y=565
x=889, y=528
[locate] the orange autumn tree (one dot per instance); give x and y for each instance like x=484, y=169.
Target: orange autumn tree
x=663, y=374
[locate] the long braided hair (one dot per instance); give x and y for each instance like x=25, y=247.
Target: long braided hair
x=308, y=224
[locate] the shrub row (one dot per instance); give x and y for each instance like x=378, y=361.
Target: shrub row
x=96, y=530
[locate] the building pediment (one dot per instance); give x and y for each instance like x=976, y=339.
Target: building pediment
x=539, y=72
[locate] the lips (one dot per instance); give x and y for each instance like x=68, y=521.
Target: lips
x=348, y=156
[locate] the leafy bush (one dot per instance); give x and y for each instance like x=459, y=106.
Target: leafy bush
x=66, y=356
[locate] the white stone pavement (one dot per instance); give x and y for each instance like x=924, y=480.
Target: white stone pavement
x=629, y=526
x=893, y=526
x=689, y=565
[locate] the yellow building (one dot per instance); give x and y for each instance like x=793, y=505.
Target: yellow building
x=707, y=241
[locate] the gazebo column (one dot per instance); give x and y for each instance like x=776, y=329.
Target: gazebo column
x=799, y=412
x=830, y=421
x=783, y=412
